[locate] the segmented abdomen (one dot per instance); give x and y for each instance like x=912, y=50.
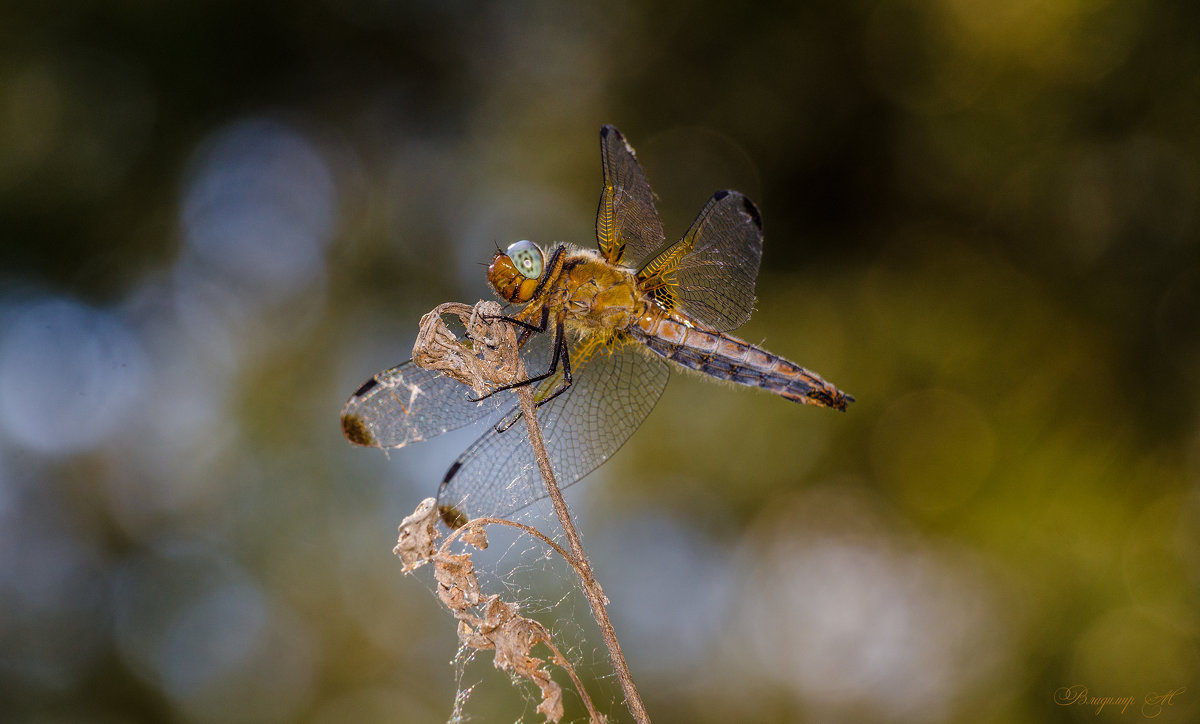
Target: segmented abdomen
x=725, y=357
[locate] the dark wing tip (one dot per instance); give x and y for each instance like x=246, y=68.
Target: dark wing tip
x=356, y=431
x=748, y=206
x=609, y=129
x=452, y=516
x=752, y=211
x=365, y=387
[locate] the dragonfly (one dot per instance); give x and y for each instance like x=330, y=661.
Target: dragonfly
x=600, y=331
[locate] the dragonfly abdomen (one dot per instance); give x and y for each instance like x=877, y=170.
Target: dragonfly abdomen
x=719, y=355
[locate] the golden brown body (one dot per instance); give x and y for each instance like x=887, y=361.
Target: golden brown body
x=585, y=294
x=613, y=319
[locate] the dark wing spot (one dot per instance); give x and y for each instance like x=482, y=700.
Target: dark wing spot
x=365, y=388
x=356, y=431
x=607, y=129
x=452, y=517
x=450, y=473
x=720, y=194
x=752, y=211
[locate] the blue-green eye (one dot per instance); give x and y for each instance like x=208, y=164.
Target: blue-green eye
x=527, y=257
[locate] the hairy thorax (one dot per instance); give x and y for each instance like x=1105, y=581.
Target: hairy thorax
x=593, y=292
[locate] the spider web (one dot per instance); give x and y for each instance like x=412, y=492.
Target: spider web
x=523, y=570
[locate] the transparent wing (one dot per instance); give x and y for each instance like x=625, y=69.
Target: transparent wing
x=627, y=225
x=407, y=404
x=711, y=271
x=611, y=394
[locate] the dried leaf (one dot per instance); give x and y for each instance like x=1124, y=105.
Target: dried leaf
x=418, y=533
x=475, y=535
x=489, y=361
x=458, y=586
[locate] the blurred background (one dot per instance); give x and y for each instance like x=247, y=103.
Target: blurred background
x=217, y=219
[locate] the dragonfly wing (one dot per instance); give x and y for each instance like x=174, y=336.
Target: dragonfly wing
x=627, y=225
x=407, y=404
x=711, y=271
x=612, y=392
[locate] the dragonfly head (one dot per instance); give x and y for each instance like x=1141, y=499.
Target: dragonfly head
x=515, y=273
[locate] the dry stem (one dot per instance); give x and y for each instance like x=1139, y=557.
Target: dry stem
x=591, y=587
x=494, y=360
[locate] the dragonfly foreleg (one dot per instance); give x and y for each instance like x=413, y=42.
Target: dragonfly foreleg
x=559, y=353
x=562, y=357
x=527, y=331
x=527, y=328
x=560, y=348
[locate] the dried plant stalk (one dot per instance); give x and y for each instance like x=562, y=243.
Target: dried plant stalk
x=486, y=622
x=493, y=360
x=591, y=587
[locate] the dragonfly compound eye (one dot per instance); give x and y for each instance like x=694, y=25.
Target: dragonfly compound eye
x=528, y=258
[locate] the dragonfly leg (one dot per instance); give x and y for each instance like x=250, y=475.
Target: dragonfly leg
x=560, y=353
x=527, y=328
x=566, y=363
x=560, y=344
